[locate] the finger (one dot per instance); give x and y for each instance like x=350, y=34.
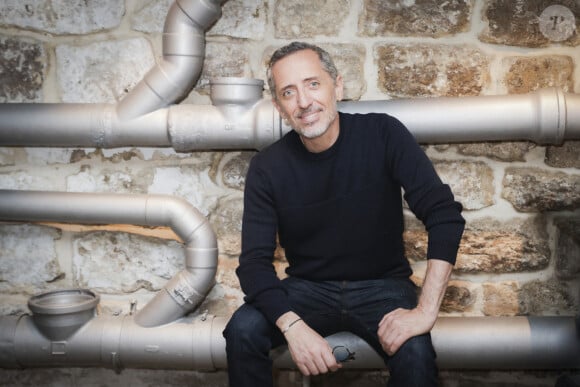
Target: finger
x=331, y=362
x=388, y=341
x=397, y=342
x=304, y=369
x=320, y=366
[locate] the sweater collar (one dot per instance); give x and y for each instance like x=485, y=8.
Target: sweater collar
x=297, y=143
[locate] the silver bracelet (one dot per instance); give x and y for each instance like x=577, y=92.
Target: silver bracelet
x=290, y=325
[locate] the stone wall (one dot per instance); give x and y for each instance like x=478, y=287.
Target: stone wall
x=521, y=250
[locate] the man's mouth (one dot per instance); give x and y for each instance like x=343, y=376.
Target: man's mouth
x=310, y=116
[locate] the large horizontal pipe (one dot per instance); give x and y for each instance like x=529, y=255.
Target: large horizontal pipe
x=186, y=290
x=73, y=125
x=548, y=116
x=243, y=122
x=196, y=343
x=482, y=343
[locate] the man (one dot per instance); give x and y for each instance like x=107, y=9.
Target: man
x=331, y=191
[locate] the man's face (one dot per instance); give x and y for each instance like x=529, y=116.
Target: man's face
x=306, y=95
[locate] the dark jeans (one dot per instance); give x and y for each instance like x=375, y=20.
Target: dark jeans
x=330, y=307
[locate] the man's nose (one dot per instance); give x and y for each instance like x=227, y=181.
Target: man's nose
x=304, y=99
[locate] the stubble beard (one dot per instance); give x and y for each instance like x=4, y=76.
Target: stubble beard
x=318, y=128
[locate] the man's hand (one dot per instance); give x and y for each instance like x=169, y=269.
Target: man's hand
x=400, y=325
x=310, y=351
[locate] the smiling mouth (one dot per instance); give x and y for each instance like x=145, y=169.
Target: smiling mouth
x=310, y=116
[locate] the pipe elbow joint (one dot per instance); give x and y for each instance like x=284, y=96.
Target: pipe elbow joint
x=188, y=289
x=202, y=12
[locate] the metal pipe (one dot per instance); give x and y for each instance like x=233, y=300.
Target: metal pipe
x=116, y=343
x=186, y=289
x=196, y=343
x=181, y=64
x=548, y=116
x=154, y=338
x=481, y=343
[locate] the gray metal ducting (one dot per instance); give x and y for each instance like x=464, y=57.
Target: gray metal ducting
x=243, y=121
x=182, y=61
x=196, y=343
x=240, y=119
x=115, y=342
x=186, y=289
x=63, y=329
x=547, y=116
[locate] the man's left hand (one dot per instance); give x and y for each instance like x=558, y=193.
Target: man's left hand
x=400, y=325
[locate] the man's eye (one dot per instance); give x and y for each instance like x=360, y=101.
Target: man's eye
x=314, y=84
x=287, y=93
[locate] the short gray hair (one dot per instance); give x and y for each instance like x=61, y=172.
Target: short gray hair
x=325, y=59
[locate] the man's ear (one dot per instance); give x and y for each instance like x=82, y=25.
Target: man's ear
x=339, y=87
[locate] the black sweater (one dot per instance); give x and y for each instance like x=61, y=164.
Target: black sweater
x=338, y=213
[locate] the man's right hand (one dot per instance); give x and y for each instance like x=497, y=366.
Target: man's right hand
x=310, y=351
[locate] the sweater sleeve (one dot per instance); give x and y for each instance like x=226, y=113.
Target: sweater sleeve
x=256, y=272
x=431, y=201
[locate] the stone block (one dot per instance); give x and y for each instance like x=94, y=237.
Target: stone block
x=470, y=182
x=532, y=23
x=501, y=151
x=459, y=297
x=532, y=189
x=151, y=15
x=566, y=155
x=102, y=72
x=234, y=170
x=227, y=272
x=28, y=260
x=48, y=156
x=72, y=17
x=424, y=70
x=7, y=156
x=191, y=181
x=429, y=18
x=301, y=19
x=139, y=263
x=22, y=179
x=567, y=247
x=242, y=19
x=226, y=221
x=122, y=180
x=223, y=60
x=546, y=298
x=527, y=74
x=501, y=299
x=490, y=246
x=22, y=69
